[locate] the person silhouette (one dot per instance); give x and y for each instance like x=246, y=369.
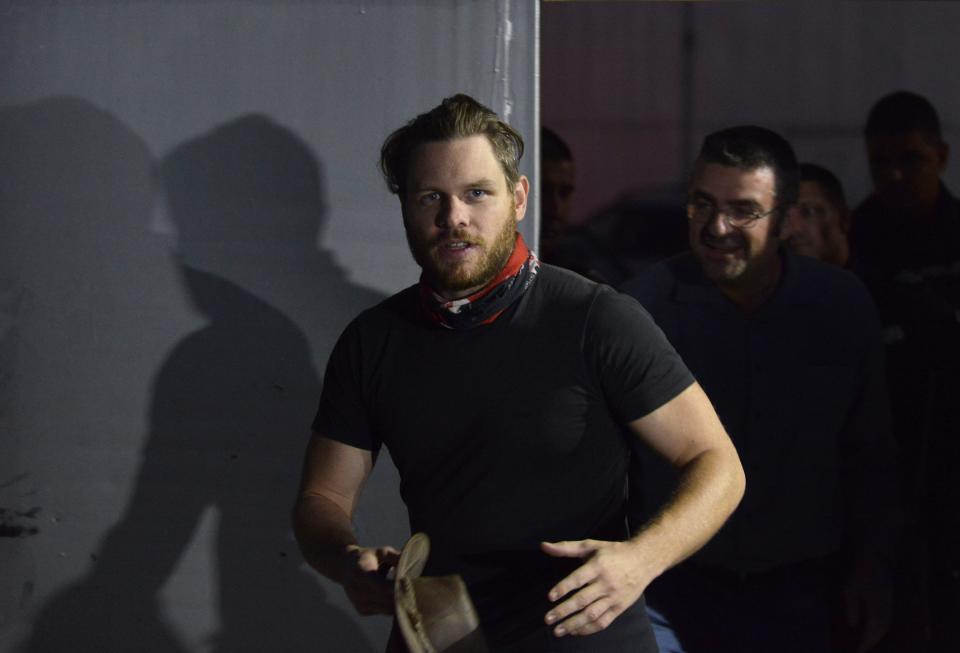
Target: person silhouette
x=245, y=202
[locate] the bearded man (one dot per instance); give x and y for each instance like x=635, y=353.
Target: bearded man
x=789, y=350
x=504, y=391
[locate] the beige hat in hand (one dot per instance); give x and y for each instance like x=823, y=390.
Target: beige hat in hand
x=435, y=613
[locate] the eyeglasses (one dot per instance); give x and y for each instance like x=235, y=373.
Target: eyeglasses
x=741, y=217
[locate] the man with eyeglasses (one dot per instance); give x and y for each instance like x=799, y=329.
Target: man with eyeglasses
x=788, y=349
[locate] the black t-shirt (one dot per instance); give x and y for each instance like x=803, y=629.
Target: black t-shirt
x=508, y=434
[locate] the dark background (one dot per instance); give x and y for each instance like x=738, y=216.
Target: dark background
x=635, y=86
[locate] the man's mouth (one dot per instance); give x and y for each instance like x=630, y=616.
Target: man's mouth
x=722, y=246
x=455, y=245
x=454, y=249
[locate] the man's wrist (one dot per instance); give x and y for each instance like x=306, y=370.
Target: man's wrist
x=649, y=551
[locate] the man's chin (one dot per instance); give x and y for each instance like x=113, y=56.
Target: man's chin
x=805, y=249
x=455, y=281
x=720, y=271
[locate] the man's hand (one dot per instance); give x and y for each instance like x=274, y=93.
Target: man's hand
x=366, y=581
x=600, y=590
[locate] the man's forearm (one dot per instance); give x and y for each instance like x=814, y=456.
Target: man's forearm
x=615, y=574
x=710, y=487
x=324, y=532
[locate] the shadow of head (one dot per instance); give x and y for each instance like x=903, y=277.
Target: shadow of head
x=248, y=181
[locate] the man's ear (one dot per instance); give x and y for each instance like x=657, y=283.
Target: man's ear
x=521, y=191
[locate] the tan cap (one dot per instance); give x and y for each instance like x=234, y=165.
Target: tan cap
x=435, y=613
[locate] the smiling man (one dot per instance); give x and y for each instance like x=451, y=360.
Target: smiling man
x=503, y=390
x=788, y=349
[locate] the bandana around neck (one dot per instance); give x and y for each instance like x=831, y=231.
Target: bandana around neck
x=485, y=305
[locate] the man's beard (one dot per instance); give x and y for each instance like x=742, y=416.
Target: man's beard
x=458, y=277
x=727, y=270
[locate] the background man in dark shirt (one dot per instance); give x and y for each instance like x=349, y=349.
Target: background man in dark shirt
x=905, y=242
x=788, y=348
x=501, y=388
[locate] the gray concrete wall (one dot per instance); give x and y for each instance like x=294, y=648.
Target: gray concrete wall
x=189, y=214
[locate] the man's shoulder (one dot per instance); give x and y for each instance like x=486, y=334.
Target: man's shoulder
x=560, y=287
x=566, y=300
x=871, y=215
x=399, y=308
x=661, y=279
x=822, y=275
x=402, y=300
x=559, y=280
x=814, y=283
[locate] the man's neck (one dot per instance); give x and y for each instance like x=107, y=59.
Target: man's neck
x=453, y=295
x=916, y=213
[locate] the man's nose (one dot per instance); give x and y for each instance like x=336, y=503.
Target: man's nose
x=453, y=213
x=718, y=225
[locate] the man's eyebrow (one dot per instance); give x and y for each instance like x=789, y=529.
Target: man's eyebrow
x=483, y=182
x=704, y=195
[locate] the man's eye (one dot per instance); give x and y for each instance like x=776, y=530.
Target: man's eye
x=741, y=212
x=478, y=193
x=428, y=198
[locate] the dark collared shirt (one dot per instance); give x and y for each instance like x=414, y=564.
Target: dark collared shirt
x=799, y=386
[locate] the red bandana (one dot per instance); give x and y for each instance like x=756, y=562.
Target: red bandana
x=485, y=305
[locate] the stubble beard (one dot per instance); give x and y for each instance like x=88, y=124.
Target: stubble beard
x=750, y=274
x=722, y=271
x=459, y=277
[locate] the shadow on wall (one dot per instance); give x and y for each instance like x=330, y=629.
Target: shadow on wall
x=75, y=193
x=230, y=409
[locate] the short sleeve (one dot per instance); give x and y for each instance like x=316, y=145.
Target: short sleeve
x=342, y=414
x=630, y=357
